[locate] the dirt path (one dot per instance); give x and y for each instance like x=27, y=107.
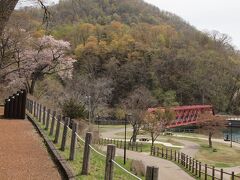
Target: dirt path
x=23, y=155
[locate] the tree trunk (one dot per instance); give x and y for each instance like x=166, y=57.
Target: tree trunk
x=134, y=135
x=210, y=139
x=6, y=9
x=152, y=139
x=32, y=87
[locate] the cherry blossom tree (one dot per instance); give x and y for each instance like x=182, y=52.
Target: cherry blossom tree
x=41, y=57
x=156, y=122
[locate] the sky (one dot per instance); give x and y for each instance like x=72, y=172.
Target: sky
x=205, y=15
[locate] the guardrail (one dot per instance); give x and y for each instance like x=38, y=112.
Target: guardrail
x=193, y=166
x=58, y=127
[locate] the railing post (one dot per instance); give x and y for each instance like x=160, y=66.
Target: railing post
x=44, y=115
x=213, y=173
x=31, y=106
x=232, y=175
x=200, y=169
x=178, y=157
x=196, y=167
x=37, y=111
x=64, y=135
x=48, y=119
x=205, y=171
x=162, y=153
x=193, y=165
x=52, y=123
x=23, y=104
x=111, y=151
x=175, y=155
x=57, y=129
x=40, y=113
x=187, y=162
x=86, y=154
x=73, y=140
x=166, y=153
x=190, y=163
x=11, y=107
x=16, y=105
x=221, y=174
x=35, y=108
x=152, y=173
x=19, y=104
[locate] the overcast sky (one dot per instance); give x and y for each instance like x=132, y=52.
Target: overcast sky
x=220, y=15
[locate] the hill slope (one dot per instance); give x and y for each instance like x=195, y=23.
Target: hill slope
x=132, y=45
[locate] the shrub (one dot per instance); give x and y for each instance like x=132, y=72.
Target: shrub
x=74, y=109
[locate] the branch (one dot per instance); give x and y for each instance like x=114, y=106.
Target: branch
x=46, y=15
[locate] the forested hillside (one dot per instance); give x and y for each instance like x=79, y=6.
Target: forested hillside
x=128, y=47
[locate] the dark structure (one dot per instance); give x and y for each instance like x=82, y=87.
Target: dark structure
x=14, y=107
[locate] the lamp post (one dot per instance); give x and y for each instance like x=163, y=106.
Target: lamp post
x=89, y=108
x=125, y=137
x=98, y=123
x=230, y=124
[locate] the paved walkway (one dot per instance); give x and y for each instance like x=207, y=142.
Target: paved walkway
x=167, y=169
x=23, y=156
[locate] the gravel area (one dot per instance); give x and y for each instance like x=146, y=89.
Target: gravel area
x=23, y=155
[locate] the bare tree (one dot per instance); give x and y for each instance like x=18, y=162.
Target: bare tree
x=95, y=93
x=211, y=125
x=6, y=9
x=8, y=6
x=136, y=104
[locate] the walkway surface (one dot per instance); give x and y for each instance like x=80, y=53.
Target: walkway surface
x=23, y=155
x=167, y=169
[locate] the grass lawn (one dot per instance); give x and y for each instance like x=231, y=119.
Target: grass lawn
x=97, y=162
x=221, y=155
x=104, y=128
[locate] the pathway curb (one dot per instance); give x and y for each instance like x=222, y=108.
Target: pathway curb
x=58, y=159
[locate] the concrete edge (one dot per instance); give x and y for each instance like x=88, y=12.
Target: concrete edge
x=57, y=157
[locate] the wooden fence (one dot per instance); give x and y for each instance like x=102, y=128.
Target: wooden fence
x=59, y=129
x=15, y=105
x=120, y=144
x=193, y=166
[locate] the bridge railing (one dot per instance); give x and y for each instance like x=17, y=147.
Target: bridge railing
x=69, y=141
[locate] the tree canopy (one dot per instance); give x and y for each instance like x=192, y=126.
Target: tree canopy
x=133, y=44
